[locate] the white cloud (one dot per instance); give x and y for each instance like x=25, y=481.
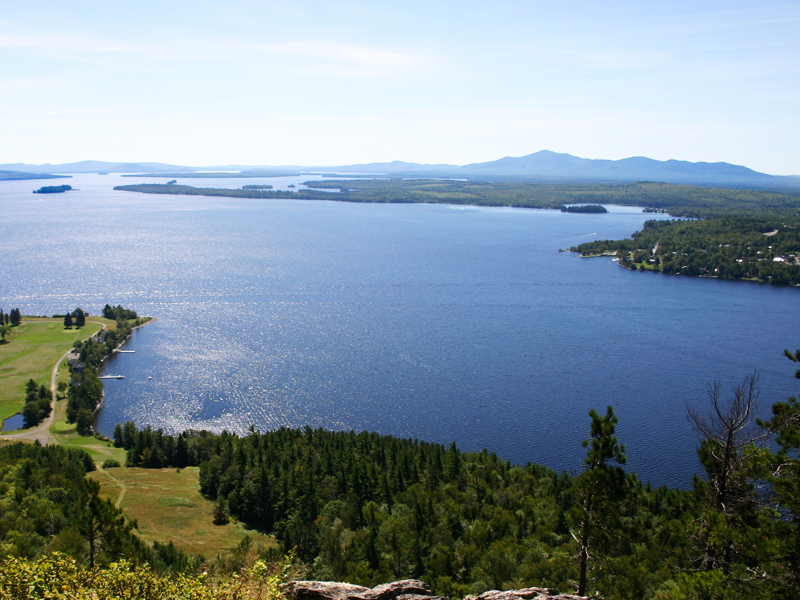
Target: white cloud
x=352, y=55
x=331, y=57
x=72, y=44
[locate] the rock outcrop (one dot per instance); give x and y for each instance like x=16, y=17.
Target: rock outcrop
x=533, y=593
x=408, y=589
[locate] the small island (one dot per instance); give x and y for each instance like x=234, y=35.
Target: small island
x=257, y=187
x=585, y=208
x=53, y=189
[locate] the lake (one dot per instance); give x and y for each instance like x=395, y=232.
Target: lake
x=431, y=321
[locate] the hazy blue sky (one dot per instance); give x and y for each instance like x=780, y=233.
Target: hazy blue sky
x=326, y=83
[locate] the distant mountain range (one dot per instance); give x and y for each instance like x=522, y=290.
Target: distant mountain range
x=95, y=166
x=544, y=166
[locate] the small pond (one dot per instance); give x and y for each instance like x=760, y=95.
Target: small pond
x=13, y=423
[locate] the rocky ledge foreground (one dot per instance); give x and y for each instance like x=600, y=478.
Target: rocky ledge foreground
x=408, y=589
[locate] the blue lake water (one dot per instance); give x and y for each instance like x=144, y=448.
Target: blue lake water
x=431, y=321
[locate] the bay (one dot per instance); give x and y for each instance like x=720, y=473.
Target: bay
x=439, y=322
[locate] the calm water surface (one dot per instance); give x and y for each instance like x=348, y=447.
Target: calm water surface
x=437, y=322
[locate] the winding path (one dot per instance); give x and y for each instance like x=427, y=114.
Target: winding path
x=41, y=432
x=122, y=487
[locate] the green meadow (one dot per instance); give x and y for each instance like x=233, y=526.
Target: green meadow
x=168, y=507
x=30, y=351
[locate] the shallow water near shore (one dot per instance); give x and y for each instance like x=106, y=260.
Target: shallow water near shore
x=431, y=321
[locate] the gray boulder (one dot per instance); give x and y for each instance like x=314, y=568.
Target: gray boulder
x=533, y=593
x=407, y=589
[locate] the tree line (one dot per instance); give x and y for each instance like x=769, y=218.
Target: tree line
x=12, y=318
x=9, y=320
x=77, y=318
x=118, y=312
x=38, y=404
x=86, y=390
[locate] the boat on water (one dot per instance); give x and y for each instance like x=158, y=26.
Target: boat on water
x=111, y=377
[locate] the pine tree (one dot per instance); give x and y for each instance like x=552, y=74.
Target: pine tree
x=67, y=320
x=118, y=443
x=785, y=482
x=601, y=486
x=731, y=445
x=221, y=516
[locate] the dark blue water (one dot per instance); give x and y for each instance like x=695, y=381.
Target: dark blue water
x=437, y=322
x=13, y=423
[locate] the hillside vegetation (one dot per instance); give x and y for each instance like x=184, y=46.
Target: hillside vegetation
x=366, y=508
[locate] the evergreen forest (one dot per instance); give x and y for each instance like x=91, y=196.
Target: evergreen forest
x=366, y=508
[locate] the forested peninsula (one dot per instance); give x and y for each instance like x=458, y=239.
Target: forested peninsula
x=21, y=176
x=678, y=200
x=764, y=249
x=188, y=190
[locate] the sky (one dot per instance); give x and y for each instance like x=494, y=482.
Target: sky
x=333, y=83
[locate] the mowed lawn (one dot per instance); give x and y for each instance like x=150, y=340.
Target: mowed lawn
x=32, y=350
x=66, y=434
x=169, y=507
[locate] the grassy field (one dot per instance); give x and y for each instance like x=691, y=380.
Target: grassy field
x=168, y=507
x=32, y=350
x=65, y=434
